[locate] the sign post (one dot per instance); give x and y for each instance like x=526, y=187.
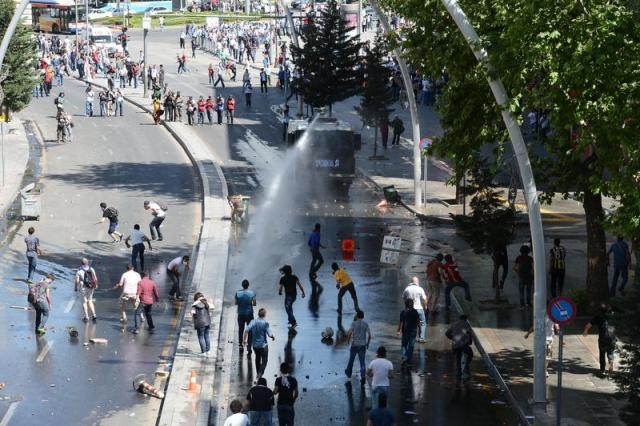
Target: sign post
x=146, y=26
x=424, y=144
x=562, y=311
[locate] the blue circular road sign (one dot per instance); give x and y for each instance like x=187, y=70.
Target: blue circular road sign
x=561, y=310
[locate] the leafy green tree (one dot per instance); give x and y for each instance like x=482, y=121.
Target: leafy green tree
x=578, y=62
x=490, y=226
x=376, y=95
x=19, y=62
x=328, y=59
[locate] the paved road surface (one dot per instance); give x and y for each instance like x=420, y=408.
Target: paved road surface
x=55, y=380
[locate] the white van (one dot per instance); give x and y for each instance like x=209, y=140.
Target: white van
x=102, y=37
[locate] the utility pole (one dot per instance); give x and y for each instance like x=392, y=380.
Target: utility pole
x=146, y=24
x=86, y=20
x=77, y=29
x=531, y=197
x=360, y=20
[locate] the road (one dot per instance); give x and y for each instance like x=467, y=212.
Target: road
x=253, y=159
x=120, y=160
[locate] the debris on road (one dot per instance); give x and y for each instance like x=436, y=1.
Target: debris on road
x=25, y=308
x=140, y=385
x=99, y=340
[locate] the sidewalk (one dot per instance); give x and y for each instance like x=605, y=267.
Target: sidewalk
x=15, y=155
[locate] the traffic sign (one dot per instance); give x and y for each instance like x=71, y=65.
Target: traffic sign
x=424, y=143
x=146, y=22
x=390, y=249
x=561, y=310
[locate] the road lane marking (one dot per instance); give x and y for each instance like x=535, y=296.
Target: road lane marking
x=69, y=306
x=7, y=416
x=44, y=352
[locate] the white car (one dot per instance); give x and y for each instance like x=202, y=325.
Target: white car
x=99, y=13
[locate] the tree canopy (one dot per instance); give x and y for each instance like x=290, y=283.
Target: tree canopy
x=330, y=70
x=19, y=63
x=576, y=63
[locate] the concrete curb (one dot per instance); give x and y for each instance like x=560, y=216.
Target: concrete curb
x=493, y=370
x=209, y=260
x=16, y=154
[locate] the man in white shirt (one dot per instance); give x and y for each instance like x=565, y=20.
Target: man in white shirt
x=129, y=283
x=136, y=239
x=419, y=297
x=380, y=370
x=173, y=272
x=237, y=418
x=158, y=214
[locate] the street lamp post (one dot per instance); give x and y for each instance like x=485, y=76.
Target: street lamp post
x=415, y=123
x=531, y=196
x=77, y=45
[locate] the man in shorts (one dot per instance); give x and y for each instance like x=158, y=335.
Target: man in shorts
x=110, y=213
x=87, y=282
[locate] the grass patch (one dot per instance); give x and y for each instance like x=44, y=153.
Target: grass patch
x=178, y=19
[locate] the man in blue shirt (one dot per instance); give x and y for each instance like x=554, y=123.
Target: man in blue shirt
x=314, y=246
x=621, y=262
x=245, y=300
x=260, y=330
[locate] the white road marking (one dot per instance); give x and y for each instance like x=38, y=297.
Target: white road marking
x=7, y=416
x=44, y=351
x=70, y=305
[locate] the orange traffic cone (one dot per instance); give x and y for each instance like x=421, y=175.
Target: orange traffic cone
x=193, y=384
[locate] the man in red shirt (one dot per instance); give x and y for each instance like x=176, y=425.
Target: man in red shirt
x=454, y=279
x=147, y=294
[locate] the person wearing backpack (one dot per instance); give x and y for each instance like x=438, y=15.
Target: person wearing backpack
x=40, y=298
x=110, y=213
x=606, y=337
x=201, y=321
x=87, y=282
x=158, y=213
x=461, y=337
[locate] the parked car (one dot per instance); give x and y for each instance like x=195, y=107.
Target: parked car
x=155, y=10
x=99, y=13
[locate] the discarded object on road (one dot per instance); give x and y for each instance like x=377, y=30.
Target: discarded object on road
x=327, y=336
x=99, y=340
x=73, y=332
x=140, y=385
x=26, y=308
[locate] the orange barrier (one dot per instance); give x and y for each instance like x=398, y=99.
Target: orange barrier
x=348, y=249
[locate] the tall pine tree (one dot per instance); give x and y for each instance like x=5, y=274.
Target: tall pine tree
x=328, y=60
x=19, y=62
x=376, y=95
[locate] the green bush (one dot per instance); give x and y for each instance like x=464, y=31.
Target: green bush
x=579, y=296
